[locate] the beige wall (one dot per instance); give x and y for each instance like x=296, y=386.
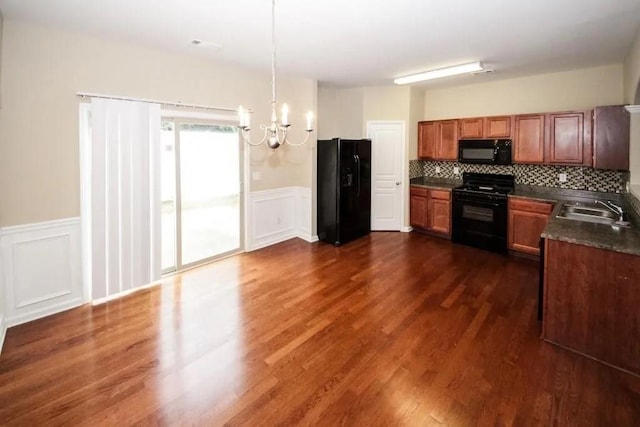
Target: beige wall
x=632, y=96
x=632, y=73
x=1, y=31
x=386, y=103
x=42, y=69
x=578, y=89
x=340, y=113
x=416, y=114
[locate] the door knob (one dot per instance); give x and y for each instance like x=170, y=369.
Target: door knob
x=398, y=183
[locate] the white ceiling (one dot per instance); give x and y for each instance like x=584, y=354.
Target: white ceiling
x=362, y=42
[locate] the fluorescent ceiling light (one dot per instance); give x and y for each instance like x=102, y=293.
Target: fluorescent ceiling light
x=442, y=72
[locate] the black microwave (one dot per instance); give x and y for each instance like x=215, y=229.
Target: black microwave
x=485, y=151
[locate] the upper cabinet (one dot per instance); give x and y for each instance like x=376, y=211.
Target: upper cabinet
x=569, y=138
x=438, y=140
x=485, y=127
x=528, y=141
x=471, y=128
x=497, y=127
x=426, y=140
x=611, y=127
x=597, y=138
x=447, y=147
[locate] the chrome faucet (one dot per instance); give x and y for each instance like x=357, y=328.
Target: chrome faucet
x=613, y=208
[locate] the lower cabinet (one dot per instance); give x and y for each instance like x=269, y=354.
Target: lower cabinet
x=431, y=210
x=527, y=220
x=591, y=301
x=418, y=209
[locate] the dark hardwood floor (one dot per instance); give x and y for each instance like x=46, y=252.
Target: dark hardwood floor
x=392, y=329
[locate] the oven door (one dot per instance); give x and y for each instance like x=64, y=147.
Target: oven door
x=480, y=221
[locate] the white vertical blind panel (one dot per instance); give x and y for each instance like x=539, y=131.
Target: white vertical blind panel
x=155, y=193
x=127, y=140
x=98, y=199
x=125, y=232
x=114, y=137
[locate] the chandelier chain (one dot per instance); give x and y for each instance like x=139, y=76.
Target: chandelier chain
x=276, y=133
x=273, y=51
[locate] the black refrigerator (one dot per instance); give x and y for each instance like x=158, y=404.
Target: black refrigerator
x=344, y=190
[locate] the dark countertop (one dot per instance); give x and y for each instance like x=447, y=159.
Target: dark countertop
x=435, y=183
x=603, y=236
x=618, y=239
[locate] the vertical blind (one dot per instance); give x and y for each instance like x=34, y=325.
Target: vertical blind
x=125, y=196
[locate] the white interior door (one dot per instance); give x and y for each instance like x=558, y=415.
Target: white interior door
x=387, y=147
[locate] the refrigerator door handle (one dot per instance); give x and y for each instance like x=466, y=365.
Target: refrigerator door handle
x=357, y=159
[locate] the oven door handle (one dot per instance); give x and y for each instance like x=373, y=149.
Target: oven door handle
x=479, y=202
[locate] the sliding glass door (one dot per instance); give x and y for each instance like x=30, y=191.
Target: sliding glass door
x=201, y=203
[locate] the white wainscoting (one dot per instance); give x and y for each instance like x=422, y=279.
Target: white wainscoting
x=41, y=265
x=277, y=215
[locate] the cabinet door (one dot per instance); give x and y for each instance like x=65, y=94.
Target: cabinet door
x=418, y=211
x=528, y=144
x=471, y=128
x=440, y=216
x=497, y=127
x=611, y=136
x=565, y=138
x=426, y=140
x=527, y=220
x=447, y=138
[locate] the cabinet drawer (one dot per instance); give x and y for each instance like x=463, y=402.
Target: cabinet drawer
x=531, y=206
x=440, y=194
x=418, y=191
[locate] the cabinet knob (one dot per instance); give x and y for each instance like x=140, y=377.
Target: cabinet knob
x=398, y=183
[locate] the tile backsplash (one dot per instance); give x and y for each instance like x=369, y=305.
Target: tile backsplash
x=578, y=177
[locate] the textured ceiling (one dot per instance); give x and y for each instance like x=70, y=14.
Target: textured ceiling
x=361, y=42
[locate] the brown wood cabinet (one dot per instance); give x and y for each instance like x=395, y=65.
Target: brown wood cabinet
x=485, y=127
x=528, y=142
x=447, y=136
x=590, y=303
x=438, y=140
x=472, y=128
x=497, y=127
x=418, y=207
x=611, y=128
x=597, y=138
x=568, y=140
x=527, y=220
x=440, y=211
x=427, y=140
x=430, y=210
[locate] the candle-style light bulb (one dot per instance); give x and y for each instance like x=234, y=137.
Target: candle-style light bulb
x=309, y=120
x=285, y=114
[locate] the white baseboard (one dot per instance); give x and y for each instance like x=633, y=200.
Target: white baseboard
x=406, y=229
x=277, y=215
x=42, y=271
x=309, y=239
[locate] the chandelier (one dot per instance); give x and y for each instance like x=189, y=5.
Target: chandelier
x=277, y=132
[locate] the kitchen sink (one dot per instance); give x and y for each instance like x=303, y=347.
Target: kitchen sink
x=589, y=212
